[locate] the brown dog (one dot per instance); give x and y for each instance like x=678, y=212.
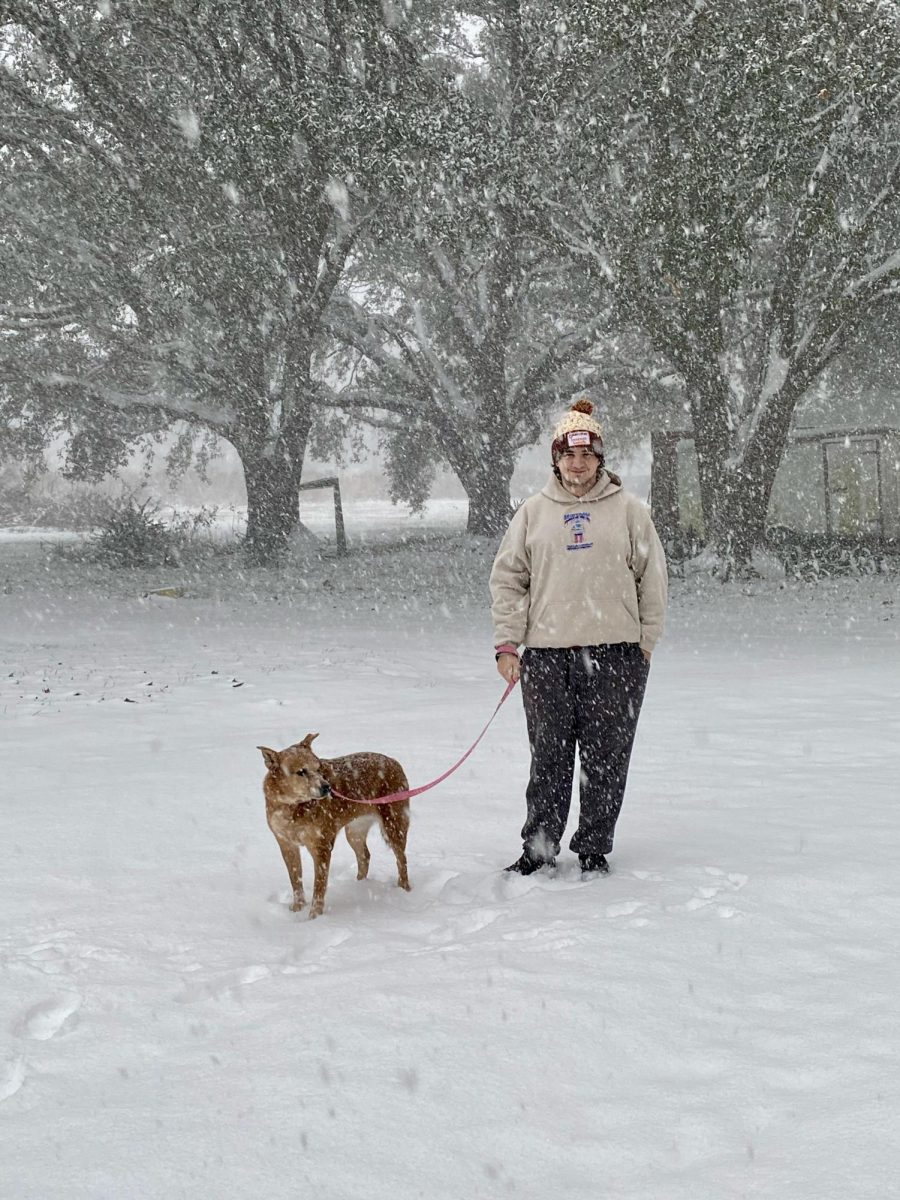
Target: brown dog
x=302, y=811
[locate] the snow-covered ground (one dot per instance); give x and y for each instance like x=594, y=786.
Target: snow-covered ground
x=366, y=521
x=715, y=1019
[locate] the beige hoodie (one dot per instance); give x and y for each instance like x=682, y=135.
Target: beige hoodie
x=579, y=570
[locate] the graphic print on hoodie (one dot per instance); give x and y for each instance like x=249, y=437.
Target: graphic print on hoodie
x=575, y=527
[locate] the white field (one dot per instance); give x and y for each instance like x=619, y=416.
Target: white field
x=714, y=1020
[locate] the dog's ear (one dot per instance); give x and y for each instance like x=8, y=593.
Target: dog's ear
x=272, y=757
x=309, y=739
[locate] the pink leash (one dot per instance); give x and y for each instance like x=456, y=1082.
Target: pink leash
x=395, y=796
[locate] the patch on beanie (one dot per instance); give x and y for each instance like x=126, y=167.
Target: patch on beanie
x=578, y=437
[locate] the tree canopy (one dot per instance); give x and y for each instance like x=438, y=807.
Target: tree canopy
x=441, y=218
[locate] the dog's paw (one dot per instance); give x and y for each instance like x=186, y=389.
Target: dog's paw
x=297, y=905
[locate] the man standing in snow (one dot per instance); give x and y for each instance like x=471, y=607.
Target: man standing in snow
x=579, y=581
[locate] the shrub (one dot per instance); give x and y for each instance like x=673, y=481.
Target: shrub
x=823, y=555
x=132, y=535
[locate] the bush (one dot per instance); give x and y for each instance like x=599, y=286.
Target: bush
x=132, y=535
x=823, y=555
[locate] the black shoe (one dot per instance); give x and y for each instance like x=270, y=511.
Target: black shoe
x=526, y=865
x=593, y=862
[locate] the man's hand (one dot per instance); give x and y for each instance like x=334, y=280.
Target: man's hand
x=508, y=666
x=646, y=654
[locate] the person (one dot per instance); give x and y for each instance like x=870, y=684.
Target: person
x=580, y=582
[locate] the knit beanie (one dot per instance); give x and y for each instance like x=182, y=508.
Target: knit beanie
x=578, y=428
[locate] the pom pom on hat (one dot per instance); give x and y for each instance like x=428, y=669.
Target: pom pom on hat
x=579, y=427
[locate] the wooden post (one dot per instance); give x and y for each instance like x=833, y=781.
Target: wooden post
x=340, y=535
x=333, y=482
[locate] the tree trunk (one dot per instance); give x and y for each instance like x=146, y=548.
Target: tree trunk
x=766, y=448
x=487, y=488
x=273, y=467
x=730, y=496
x=272, y=480
x=712, y=445
x=736, y=492
x=740, y=522
x=664, y=485
x=482, y=461
x=272, y=505
x=735, y=509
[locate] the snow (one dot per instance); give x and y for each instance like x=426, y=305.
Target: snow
x=369, y=520
x=715, y=1019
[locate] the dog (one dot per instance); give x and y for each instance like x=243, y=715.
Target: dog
x=302, y=810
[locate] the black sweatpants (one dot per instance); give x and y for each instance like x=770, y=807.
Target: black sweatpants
x=591, y=697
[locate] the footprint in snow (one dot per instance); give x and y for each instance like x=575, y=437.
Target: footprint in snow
x=736, y=880
x=226, y=985
x=12, y=1076
x=527, y=935
x=254, y=974
x=624, y=909
x=49, y=1017
x=706, y=895
x=46, y=958
x=465, y=925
